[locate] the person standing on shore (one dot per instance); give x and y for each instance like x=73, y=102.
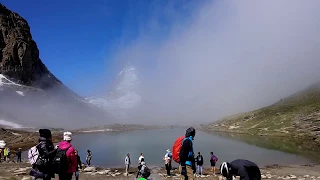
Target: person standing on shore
x=66, y=147
x=19, y=155
x=127, y=162
x=88, y=158
x=213, y=161
x=42, y=168
x=167, y=161
x=79, y=165
x=187, y=162
x=199, y=163
x=141, y=158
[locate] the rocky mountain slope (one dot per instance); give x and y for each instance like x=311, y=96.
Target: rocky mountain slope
x=30, y=95
x=296, y=115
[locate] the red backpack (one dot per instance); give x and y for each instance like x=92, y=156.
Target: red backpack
x=176, y=149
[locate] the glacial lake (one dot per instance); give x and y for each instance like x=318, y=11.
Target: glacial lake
x=110, y=148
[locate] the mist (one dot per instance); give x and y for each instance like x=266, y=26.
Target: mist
x=226, y=57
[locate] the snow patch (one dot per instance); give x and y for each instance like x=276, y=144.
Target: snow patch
x=20, y=93
x=10, y=124
x=4, y=80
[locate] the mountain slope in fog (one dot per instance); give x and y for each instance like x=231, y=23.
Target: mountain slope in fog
x=298, y=114
x=30, y=95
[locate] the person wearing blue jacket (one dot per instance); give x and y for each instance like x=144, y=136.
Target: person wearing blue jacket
x=186, y=155
x=247, y=170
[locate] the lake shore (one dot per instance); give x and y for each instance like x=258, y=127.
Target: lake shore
x=18, y=171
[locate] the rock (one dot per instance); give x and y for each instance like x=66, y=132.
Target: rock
x=287, y=177
x=203, y=176
x=301, y=178
x=90, y=169
x=88, y=173
x=263, y=177
x=116, y=170
x=306, y=176
x=113, y=175
x=101, y=172
x=117, y=174
x=293, y=176
x=125, y=174
x=20, y=173
x=26, y=178
x=318, y=177
x=312, y=177
x=130, y=175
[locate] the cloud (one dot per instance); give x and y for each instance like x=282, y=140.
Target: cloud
x=225, y=57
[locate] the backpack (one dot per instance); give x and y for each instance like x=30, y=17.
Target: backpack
x=61, y=161
x=176, y=148
x=146, y=172
x=33, y=155
x=214, y=158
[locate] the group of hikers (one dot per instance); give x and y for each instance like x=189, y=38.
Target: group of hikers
x=48, y=160
x=6, y=153
x=184, y=155
x=189, y=165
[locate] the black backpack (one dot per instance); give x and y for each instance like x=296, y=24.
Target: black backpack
x=146, y=172
x=61, y=161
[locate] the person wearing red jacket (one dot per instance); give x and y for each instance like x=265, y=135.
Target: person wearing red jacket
x=66, y=145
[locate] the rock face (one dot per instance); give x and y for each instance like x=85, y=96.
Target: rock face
x=19, y=54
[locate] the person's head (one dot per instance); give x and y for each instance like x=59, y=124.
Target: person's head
x=20, y=149
x=88, y=151
x=211, y=153
x=226, y=169
x=198, y=153
x=45, y=134
x=141, y=154
x=143, y=163
x=128, y=155
x=67, y=136
x=191, y=132
x=76, y=152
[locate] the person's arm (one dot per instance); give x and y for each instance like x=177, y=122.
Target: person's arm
x=184, y=152
x=201, y=159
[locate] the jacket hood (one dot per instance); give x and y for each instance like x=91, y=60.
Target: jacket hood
x=64, y=145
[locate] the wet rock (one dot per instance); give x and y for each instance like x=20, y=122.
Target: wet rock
x=90, y=169
x=26, y=178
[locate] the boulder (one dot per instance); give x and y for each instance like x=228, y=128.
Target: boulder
x=90, y=169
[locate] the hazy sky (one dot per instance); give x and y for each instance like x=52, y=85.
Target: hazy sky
x=228, y=56
x=196, y=59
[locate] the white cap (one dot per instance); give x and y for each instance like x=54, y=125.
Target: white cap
x=67, y=136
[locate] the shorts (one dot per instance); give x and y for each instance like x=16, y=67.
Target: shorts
x=213, y=164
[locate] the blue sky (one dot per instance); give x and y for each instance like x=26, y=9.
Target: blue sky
x=77, y=38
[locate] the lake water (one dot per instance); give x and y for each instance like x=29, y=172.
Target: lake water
x=110, y=148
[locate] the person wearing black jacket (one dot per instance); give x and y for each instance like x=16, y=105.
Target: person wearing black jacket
x=247, y=170
x=42, y=169
x=187, y=162
x=78, y=165
x=199, y=160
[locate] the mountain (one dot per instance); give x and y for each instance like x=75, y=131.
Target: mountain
x=297, y=116
x=123, y=95
x=30, y=95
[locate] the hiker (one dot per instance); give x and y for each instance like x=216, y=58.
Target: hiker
x=213, y=161
x=5, y=154
x=79, y=165
x=187, y=161
x=141, y=158
x=141, y=162
x=145, y=172
x=167, y=161
x=127, y=162
x=247, y=170
x=41, y=168
x=88, y=158
x=199, y=160
x=69, y=150
x=18, y=154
